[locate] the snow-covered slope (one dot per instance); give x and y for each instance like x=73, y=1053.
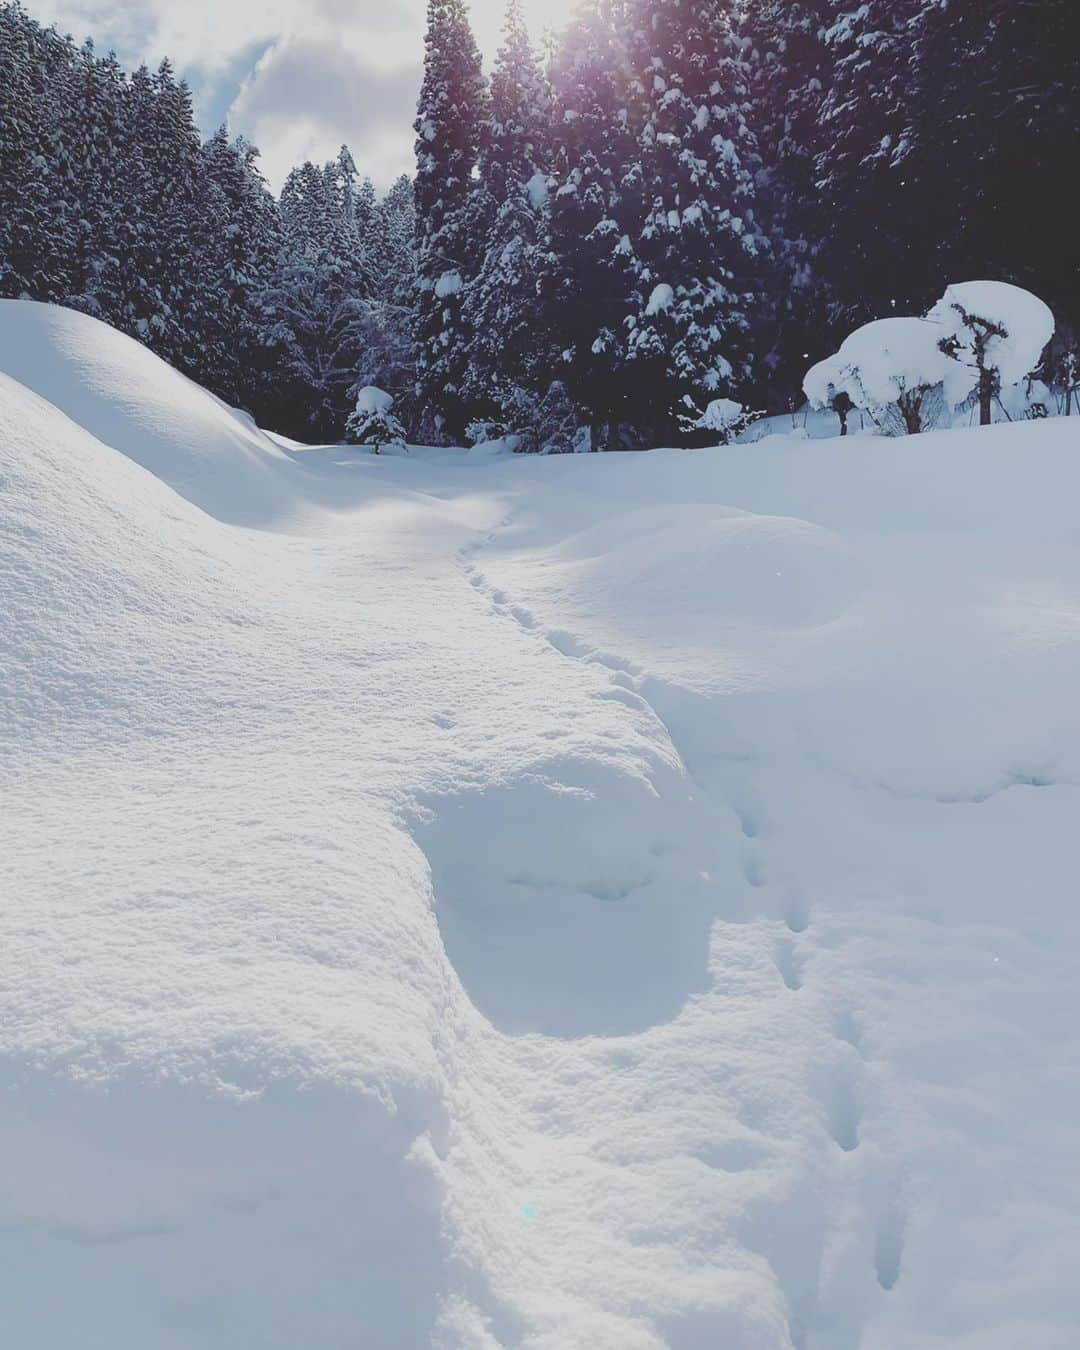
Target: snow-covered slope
x=600, y=903
x=121, y=393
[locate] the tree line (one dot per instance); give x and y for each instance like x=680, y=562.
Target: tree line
x=111, y=203
x=680, y=202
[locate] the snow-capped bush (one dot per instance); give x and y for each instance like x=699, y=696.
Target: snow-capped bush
x=825, y=387
x=547, y=426
x=373, y=422
x=995, y=333
x=481, y=432
x=724, y=416
x=894, y=369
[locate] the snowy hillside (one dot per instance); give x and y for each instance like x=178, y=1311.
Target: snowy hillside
x=496, y=903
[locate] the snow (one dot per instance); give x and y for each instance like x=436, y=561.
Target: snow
x=448, y=284
x=373, y=401
x=889, y=357
x=662, y=299
x=883, y=360
x=538, y=190
x=722, y=414
x=601, y=902
x=1027, y=326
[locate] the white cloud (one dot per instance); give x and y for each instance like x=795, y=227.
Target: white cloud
x=299, y=77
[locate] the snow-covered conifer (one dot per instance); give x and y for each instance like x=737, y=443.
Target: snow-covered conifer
x=506, y=350
x=592, y=209
x=698, y=241
x=790, y=63
x=373, y=422
x=453, y=101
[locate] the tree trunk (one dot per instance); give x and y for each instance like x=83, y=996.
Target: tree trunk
x=986, y=397
x=910, y=406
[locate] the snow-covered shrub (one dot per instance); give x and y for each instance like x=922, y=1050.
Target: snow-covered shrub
x=1064, y=370
x=483, y=431
x=995, y=333
x=825, y=388
x=894, y=369
x=373, y=422
x=553, y=427
x=723, y=416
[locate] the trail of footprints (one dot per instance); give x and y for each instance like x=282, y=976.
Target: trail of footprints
x=843, y=1095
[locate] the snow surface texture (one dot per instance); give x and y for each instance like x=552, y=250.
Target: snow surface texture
x=586, y=903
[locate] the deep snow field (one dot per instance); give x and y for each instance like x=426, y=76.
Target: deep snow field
x=583, y=903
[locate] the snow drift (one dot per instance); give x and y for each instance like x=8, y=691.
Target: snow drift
x=594, y=903
x=121, y=393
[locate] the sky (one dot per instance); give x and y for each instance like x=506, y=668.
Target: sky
x=297, y=77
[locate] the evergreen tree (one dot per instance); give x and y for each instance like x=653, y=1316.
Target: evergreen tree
x=237, y=240
x=1001, y=80
x=34, y=247
x=592, y=218
x=506, y=353
x=790, y=70
x=515, y=132
x=158, y=181
x=312, y=313
x=453, y=105
x=875, y=223
x=387, y=354
x=93, y=137
x=696, y=247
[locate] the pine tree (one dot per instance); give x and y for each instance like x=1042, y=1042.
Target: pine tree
x=990, y=126
x=452, y=108
x=34, y=246
x=158, y=186
x=312, y=313
x=515, y=132
x=92, y=131
x=237, y=240
x=790, y=70
x=592, y=217
x=875, y=218
x=506, y=351
x=696, y=248
x=373, y=421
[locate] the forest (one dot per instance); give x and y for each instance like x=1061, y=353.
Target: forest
x=676, y=202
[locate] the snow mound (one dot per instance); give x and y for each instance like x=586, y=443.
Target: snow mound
x=131, y=400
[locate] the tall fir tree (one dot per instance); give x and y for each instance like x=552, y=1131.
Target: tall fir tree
x=991, y=120
x=875, y=221
x=452, y=108
x=592, y=215
x=699, y=239
x=312, y=313
x=790, y=63
x=506, y=350
x=34, y=244
x=237, y=240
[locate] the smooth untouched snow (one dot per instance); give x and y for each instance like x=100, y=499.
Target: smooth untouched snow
x=576, y=903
